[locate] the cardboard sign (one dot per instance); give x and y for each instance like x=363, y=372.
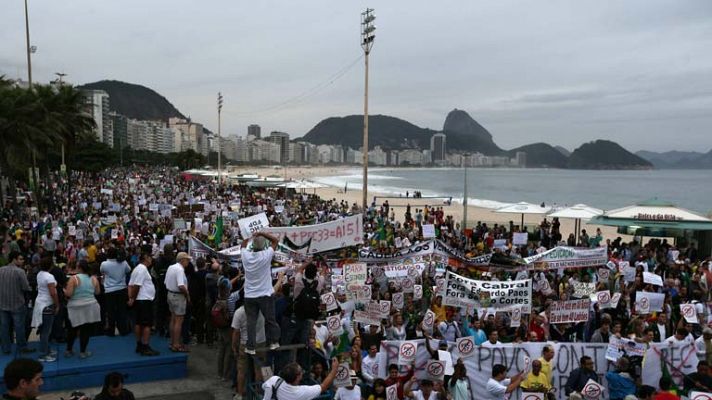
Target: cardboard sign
x=520, y=238
x=392, y=392
x=428, y=231
x=604, y=299
x=688, y=311
x=406, y=352
x=435, y=370
x=646, y=302
x=532, y=396
x=367, y=318
x=571, y=311
x=604, y=274
x=364, y=293
x=417, y=292
x=329, y=300
x=384, y=308
x=516, y=317
x=592, y=390
x=407, y=285
x=628, y=273
x=700, y=396
x=355, y=273
x=333, y=323
x=72, y=230
x=653, y=279
x=429, y=320
x=251, y=225
x=398, y=300
x=584, y=290
x=466, y=345
x=343, y=376
x=615, y=299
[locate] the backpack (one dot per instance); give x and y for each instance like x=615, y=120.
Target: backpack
x=306, y=305
x=219, y=315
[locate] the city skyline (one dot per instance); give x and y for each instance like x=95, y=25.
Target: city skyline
x=636, y=73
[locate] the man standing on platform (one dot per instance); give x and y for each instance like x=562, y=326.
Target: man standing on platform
x=257, y=263
x=13, y=286
x=141, y=295
x=178, y=299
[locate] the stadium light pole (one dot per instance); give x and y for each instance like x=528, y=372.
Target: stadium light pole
x=30, y=49
x=367, y=36
x=220, y=104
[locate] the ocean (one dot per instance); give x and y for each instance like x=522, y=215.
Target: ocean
x=494, y=187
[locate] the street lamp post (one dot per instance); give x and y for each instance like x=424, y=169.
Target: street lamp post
x=367, y=37
x=220, y=104
x=30, y=48
x=464, y=195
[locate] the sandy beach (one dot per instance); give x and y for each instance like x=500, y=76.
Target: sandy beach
x=353, y=195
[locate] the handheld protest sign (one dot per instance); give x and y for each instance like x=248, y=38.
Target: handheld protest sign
x=417, y=292
x=592, y=390
x=343, y=376
x=392, y=392
x=429, y=320
x=688, y=311
x=406, y=352
x=466, y=346
x=435, y=370
x=398, y=300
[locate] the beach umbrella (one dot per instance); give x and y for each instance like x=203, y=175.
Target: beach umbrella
x=577, y=213
x=523, y=208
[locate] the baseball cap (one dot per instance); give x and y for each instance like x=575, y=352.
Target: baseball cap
x=707, y=331
x=183, y=255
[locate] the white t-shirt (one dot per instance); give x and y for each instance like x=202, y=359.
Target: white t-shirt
x=44, y=278
x=343, y=393
x=239, y=322
x=258, y=277
x=369, y=368
x=141, y=278
x=487, y=343
x=289, y=392
x=496, y=390
x=418, y=395
x=175, y=277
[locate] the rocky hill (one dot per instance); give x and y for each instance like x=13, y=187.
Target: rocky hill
x=604, y=154
x=678, y=159
x=135, y=101
x=541, y=155
x=463, y=132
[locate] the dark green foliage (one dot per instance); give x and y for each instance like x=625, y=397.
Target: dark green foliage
x=135, y=101
x=541, y=155
x=604, y=154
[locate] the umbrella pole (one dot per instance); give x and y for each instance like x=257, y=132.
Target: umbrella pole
x=576, y=230
x=522, y=227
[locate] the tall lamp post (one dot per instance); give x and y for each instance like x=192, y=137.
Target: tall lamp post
x=220, y=104
x=367, y=36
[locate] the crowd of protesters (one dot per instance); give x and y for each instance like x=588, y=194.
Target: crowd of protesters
x=110, y=257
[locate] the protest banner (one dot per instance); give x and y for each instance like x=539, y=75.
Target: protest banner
x=679, y=357
x=109, y=192
x=647, y=302
x=333, y=324
x=401, y=270
x=461, y=291
x=329, y=300
x=414, y=251
x=571, y=311
x=688, y=311
x=653, y=279
x=479, y=363
x=570, y=257
x=520, y=238
x=584, y=289
x=318, y=238
x=355, y=273
x=428, y=231
x=406, y=352
x=343, y=375
x=367, y=318
x=253, y=224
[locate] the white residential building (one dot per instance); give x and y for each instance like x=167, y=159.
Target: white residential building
x=97, y=102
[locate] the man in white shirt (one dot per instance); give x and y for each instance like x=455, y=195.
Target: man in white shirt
x=703, y=344
x=141, y=295
x=492, y=340
x=287, y=383
x=369, y=365
x=257, y=263
x=178, y=298
x=352, y=392
x=239, y=339
x=426, y=391
x=499, y=386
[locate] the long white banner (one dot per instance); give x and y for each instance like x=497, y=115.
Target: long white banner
x=462, y=292
x=330, y=235
x=563, y=256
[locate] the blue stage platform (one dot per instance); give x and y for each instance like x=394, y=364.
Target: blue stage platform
x=110, y=354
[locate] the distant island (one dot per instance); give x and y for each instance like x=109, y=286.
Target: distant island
x=392, y=141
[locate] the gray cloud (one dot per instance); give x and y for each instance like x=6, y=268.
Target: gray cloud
x=558, y=71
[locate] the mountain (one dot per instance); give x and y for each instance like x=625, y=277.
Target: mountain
x=464, y=133
x=387, y=132
x=563, y=150
x=678, y=159
x=604, y=154
x=541, y=155
x=135, y=101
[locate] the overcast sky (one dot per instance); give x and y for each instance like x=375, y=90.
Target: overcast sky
x=563, y=72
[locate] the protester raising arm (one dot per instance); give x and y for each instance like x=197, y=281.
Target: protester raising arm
x=326, y=383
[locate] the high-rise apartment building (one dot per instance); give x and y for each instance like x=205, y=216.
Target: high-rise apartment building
x=97, y=102
x=281, y=139
x=438, y=148
x=254, y=130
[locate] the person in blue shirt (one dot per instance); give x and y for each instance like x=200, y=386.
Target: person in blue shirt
x=620, y=382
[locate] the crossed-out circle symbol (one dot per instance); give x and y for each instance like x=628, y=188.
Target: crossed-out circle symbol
x=398, y=298
x=531, y=397
x=644, y=303
x=604, y=297
x=604, y=274
x=688, y=311
x=702, y=396
x=392, y=392
x=366, y=291
x=334, y=323
x=378, y=272
x=592, y=391
x=465, y=346
x=418, y=290
x=343, y=372
x=329, y=299
x=407, y=350
x=407, y=283
x=385, y=307
x=428, y=319
x=435, y=369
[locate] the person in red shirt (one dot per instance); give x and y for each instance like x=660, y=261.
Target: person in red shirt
x=394, y=378
x=535, y=327
x=665, y=384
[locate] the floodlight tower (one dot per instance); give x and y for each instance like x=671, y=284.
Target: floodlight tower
x=367, y=37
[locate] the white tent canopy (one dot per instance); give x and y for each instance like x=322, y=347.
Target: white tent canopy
x=578, y=211
x=656, y=212
x=523, y=208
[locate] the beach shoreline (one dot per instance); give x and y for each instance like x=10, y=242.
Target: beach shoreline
x=455, y=209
